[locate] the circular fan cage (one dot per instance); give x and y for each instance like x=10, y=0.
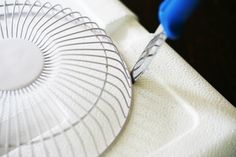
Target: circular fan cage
x=64, y=88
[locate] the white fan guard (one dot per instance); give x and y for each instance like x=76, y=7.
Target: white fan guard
x=64, y=89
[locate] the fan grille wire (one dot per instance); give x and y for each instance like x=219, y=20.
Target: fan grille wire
x=81, y=99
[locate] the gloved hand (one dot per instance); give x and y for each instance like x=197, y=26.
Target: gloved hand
x=173, y=14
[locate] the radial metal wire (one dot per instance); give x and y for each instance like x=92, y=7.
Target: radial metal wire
x=148, y=55
x=81, y=99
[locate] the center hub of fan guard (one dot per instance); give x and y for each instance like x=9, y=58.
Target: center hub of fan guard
x=21, y=62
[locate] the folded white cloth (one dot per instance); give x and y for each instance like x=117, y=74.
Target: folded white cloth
x=175, y=111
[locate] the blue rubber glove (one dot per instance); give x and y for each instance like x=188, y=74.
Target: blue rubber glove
x=173, y=14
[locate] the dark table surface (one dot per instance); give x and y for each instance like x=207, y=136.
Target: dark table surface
x=207, y=42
